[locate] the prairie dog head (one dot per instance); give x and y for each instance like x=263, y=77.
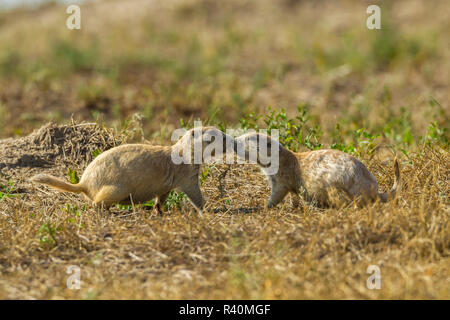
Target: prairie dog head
x=261, y=149
x=202, y=144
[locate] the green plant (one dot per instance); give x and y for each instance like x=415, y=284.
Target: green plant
x=174, y=199
x=73, y=176
x=436, y=135
x=47, y=233
x=186, y=125
x=312, y=137
x=250, y=121
x=73, y=209
x=126, y=207
x=149, y=204
x=438, y=112
x=95, y=153
x=399, y=128
x=363, y=143
x=131, y=129
x=8, y=191
x=293, y=132
x=146, y=205
x=339, y=143
x=204, y=174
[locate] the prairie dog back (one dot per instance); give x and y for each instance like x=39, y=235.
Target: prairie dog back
x=139, y=169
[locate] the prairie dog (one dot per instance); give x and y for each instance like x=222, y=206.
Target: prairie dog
x=140, y=172
x=327, y=177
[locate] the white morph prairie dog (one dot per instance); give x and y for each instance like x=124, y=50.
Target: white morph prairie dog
x=136, y=173
x=326, y=177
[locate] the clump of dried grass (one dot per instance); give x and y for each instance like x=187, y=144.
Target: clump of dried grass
x=54, y=146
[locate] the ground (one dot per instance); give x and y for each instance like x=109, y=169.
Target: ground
x=139, y=69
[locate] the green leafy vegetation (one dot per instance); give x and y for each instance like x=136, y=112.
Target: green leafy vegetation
x=293, y=132
x=73, y=176
x=436, y=136
x=8, y=191
x=174, y=200
x=47, y=234
x=96, y=153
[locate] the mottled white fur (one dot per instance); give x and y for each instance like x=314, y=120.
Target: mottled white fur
x=325, y=177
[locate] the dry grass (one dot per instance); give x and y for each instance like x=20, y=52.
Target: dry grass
x=218, y=61
x=236, y=250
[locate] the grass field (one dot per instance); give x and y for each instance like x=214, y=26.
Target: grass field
x=138, y=69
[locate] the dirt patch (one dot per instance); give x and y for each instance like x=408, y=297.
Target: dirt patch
x=53, y=149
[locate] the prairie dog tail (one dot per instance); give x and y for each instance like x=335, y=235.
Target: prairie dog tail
x=391, y=193
x=57, y=183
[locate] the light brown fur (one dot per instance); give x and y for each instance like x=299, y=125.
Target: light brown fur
x=326, y=177
x=137, y=173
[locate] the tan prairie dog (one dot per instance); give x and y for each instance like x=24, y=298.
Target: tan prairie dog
x=326, y=177
x=136, y=173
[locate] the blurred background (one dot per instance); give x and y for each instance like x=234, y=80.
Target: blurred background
x=8, y=4
x=221, y=61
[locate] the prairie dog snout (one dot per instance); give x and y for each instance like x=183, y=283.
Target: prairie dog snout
x=141, y=172
x=326, y=177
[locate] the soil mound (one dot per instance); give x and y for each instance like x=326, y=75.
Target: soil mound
x=53, y=149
